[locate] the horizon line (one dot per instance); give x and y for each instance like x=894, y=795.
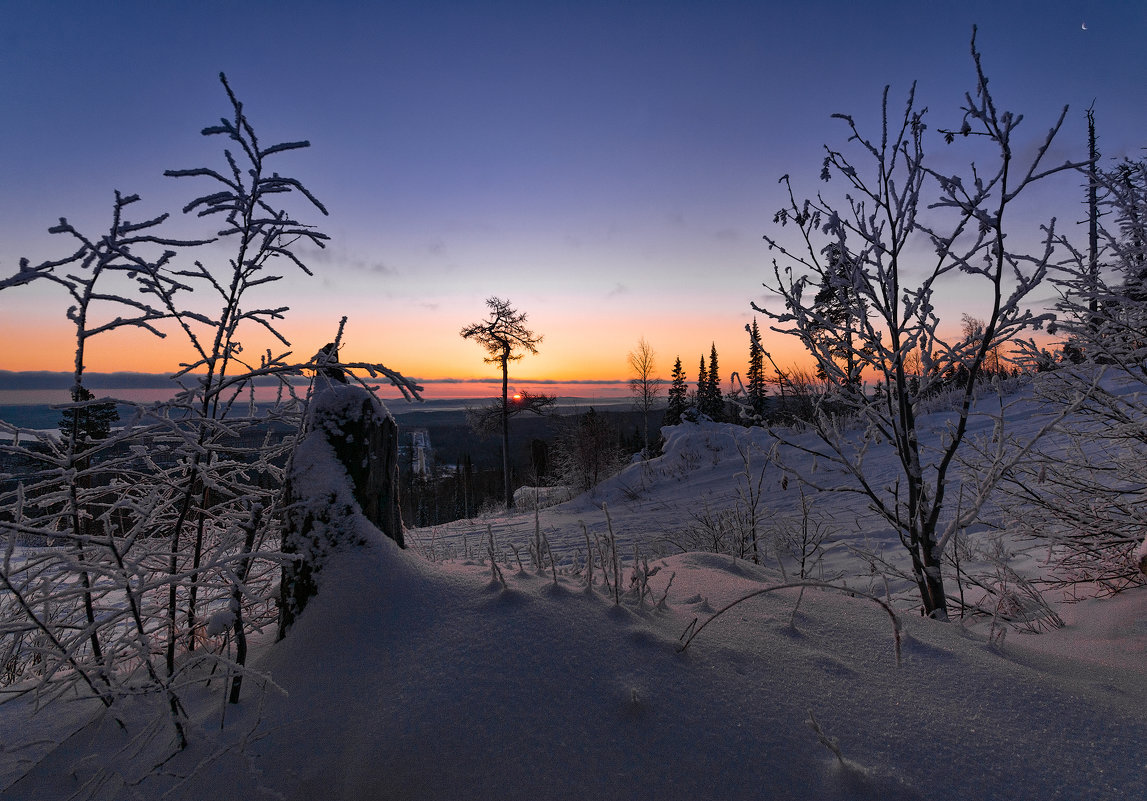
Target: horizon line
x=131, y=379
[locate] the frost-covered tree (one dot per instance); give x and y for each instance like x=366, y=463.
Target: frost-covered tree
x=841, y=311
x=167, y=551
x=506, y=338
x=889, y=239
x=973, y=329
x=699, y=392
x=709, y=400
x=56, y=501
x=644, y=385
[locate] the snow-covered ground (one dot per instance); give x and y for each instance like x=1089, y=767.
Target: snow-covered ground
x=426, y=678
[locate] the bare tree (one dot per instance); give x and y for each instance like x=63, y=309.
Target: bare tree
x=158, y=587
x=587, y=451
x=973, y=328
x=506, y=338
x=645, y=386
x=895, y=209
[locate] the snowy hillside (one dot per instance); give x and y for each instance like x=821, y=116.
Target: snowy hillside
x=429, y=678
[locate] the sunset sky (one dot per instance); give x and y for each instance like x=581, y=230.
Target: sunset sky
x=608, y=167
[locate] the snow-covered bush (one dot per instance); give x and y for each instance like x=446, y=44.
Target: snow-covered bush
x=1085, y=490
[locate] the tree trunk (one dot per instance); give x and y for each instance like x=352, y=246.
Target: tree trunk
x=506, y=431
x=930, y=582
x=1092, y=219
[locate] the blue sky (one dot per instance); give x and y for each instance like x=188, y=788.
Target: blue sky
x=610, y=167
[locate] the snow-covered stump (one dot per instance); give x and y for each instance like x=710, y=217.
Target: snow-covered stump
x=344, y=466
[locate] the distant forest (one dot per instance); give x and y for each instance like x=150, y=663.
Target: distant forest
x=465, y=472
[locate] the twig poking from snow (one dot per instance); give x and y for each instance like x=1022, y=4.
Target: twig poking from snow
x=588, y=557
x=539, y=559
x=497, y=571
x=613, y=550
x=822, y=737
x=517, y=556
x=664, y=595
x=553, y=559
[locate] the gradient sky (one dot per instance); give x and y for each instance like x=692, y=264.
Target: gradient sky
x=609, y=167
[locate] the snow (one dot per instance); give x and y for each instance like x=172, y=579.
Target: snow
x=416, y=678
x=541, y=497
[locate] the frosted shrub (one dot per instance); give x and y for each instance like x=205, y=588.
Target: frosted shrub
x=1085, y=487
x=162, y=539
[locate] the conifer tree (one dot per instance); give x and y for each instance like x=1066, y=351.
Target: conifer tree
x=506, y=338
x=702, y=386
x=678, y=399
x=87, y=424
x=712, y=403
x=842, y=311
x=756, y=372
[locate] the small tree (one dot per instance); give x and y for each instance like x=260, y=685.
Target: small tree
x=841, y=309
x=973, y=329
x=757, y=394
x=678, y=396
x=713, y=387
x=869, y=246
x=504, y=335
x=644, y=385
x=587, y=451
x=710, y=401
x=87, y=422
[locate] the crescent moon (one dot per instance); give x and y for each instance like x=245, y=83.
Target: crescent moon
x=1083, y=27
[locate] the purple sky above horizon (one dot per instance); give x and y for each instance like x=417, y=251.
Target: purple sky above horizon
x=609, y=167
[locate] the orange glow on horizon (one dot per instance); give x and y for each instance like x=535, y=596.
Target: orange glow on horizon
x=572, y=351
x=577, y=351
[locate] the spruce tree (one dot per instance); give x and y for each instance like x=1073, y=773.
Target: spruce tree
x=713, y=404
x=843, y=311
x=702, y=386
x=87, y=423
x=756, y=373
x=678, y=399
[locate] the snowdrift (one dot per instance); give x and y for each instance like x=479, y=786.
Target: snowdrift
x=413, y=679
